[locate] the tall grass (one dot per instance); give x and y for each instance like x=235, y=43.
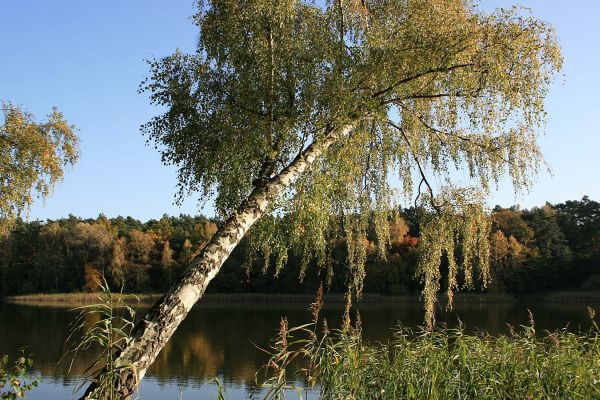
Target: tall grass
x=442, y=364
x=99, y=328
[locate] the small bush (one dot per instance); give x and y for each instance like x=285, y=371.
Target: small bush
x=13, y=379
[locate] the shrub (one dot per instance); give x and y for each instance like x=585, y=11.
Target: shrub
x=13, y=379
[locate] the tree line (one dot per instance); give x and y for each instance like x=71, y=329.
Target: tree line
x=556, y=246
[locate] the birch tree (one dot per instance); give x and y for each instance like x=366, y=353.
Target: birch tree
x=33, y=156
x=330, y=115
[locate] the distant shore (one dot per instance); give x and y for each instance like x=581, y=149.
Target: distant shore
x=78, y=299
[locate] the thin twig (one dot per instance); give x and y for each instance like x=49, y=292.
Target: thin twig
x=421, y=171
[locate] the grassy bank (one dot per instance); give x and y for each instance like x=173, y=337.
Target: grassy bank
x=58, y=299
x=76, y=299
x=444, y=364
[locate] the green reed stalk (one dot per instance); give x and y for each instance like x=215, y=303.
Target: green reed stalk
x=441, y=364
x=99, y=328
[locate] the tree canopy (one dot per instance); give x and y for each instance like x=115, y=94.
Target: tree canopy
x=33, y=156
x=580, y=220
x=428, y=88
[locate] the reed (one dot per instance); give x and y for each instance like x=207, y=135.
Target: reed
x=440, y=364
x=99, y=328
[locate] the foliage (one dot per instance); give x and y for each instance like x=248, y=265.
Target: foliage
x=92, y=278
x=548, y=239
x=510, y=222
x=13, y=384
x=33, y=156
x=427, y=86
x=63, y=255
x=532, y=252
x=580, y=223
x=99, y=327
x=440, y=364
x=469, y=228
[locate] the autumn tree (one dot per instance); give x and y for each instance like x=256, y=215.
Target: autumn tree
x=51, y=253
x=511, y=223
x=139, y=246
x=89, y=244
x=33, y=156
x=499, y=248
x=116, y=268
x=399, y=232
x=185, y=255
x=167, y=262
x=210, y=228
x=92, y=279
x=163, y=228
x=301, y=109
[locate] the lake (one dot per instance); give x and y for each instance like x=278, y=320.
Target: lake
x=219, y=339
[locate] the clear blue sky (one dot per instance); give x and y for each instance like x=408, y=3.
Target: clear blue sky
x=87, y=58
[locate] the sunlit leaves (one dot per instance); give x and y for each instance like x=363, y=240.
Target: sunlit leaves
x=433, y=88
x=33, y=156
x=15, y=380
x=457, y=234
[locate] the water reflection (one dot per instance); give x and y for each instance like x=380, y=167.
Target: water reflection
x=218, y=340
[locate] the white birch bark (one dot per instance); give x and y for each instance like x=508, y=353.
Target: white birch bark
x=154, y=331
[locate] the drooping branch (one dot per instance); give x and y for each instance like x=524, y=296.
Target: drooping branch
x=271, y=83
x=424, y=180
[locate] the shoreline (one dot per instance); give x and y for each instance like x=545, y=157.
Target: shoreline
x=79, y=299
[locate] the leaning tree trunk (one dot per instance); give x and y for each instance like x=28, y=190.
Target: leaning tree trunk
x=152, y=333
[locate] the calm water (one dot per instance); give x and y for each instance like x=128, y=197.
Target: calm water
x=217, y=340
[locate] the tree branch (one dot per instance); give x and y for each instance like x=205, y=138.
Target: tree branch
x=438, y=132
x=460, y=93
x=421, y=171
x=417, y=76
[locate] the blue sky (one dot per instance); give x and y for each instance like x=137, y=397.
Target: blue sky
x=87, y=58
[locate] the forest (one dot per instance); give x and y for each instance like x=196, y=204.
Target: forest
x=548, y=248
